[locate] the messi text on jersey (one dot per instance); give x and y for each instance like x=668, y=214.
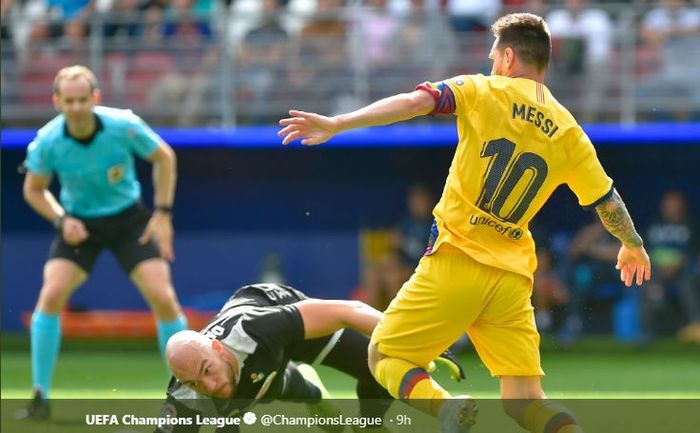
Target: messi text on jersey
x=536, y=117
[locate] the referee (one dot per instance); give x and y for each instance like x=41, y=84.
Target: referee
x=91, y=150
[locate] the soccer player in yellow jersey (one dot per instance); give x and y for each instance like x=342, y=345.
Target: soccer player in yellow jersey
x=516, y=145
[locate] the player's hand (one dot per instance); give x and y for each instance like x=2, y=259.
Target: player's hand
x=633, y=262
x=73, y=231
x=448, y=359
x=160, y=228
x=312, y=128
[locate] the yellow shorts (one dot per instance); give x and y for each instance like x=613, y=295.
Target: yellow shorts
x=449, y=294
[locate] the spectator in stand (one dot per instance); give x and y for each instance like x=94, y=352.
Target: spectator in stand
x=376, y=31
x=188, y=37
x=549, y=294
x=123, y=21
x=429, y=29
x=131, y=20
x=261, y=61
x=405, y=7
x=582, y=37
x=672, y=242
x=154, y=11
x=8, y=15
x=673, y=27
x=378, y=28
x=472, y=15
x=325, y=32
x=382, y=281
x=516, y=6
x=185, y=24
x=410, y=235
x=63, y=20
x=690, y=297
x=322, y=66
x=538, y=7
x=591, y=256
x=407, y=244
x=7, y=7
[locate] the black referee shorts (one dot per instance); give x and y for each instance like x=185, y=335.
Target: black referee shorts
x=119, y=233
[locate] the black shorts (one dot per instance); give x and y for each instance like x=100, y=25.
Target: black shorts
x=119, y=233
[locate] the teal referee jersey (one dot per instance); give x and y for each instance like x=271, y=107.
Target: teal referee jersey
x=98, y=177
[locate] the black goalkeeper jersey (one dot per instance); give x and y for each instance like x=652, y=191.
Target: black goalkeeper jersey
x=262, y=328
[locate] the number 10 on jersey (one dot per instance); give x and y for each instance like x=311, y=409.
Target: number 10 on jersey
x=505, y=172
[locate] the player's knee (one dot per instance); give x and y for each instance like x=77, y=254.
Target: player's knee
x=52, y=298
x=373, y=357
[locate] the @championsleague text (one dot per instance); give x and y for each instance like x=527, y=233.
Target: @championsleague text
x=310, y=421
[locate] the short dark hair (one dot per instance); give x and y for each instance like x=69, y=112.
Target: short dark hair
x=528, y=35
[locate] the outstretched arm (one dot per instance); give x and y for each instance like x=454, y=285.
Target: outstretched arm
x=315, y=129
x=323, y=317
x=632, y=260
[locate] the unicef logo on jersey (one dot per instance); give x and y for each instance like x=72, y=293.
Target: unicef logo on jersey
x=511, y=232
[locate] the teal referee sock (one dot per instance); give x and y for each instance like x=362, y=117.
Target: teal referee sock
x=167, y=329
x=45, y=334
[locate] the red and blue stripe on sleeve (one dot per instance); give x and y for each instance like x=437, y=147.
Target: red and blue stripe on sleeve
x=443, y=95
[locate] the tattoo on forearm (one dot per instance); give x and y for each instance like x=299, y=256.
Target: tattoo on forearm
x=617, y=221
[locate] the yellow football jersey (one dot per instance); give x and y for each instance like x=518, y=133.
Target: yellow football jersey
x=517, y=144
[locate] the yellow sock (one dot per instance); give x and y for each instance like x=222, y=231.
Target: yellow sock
x=407, y=381
x=547, y=416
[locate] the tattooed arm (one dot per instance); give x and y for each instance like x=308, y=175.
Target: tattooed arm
x=632, y=258
x=617, y=220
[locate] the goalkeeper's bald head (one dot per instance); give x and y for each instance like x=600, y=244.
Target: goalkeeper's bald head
x=202, y=364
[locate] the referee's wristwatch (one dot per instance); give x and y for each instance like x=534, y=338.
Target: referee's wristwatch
x=162, y=208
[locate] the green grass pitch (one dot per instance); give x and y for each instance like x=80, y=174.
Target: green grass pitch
x=610, y=389
x=592, y=369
